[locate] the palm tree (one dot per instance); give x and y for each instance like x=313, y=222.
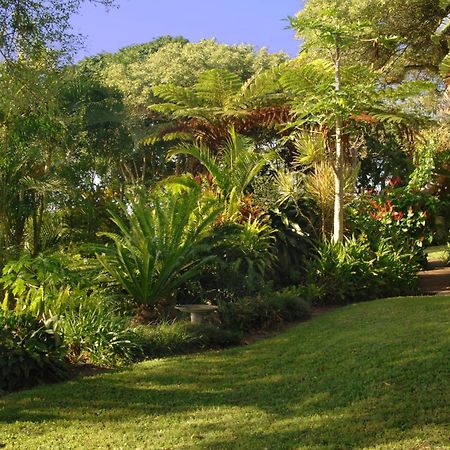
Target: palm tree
x=232, y=168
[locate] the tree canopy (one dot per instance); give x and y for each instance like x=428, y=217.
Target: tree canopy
x=32, y=27
x=420, y=29
x=179, y=62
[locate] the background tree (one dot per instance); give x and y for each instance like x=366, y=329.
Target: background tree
x=178, y=62
x=420, y=27
x=29, y=28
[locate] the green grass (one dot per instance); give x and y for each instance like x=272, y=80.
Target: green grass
x=437, y=253
x=373, y=375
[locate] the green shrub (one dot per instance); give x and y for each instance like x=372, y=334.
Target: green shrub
x=395, y=271
x=342, y=270
x=30, y=352
x=352, y=271
x=32, y=283
x=171, y=338
x=263, y=311
x=245, y=255
x=243, y=259
x=279, y=195
x=50, y=284
x=97, y=335
x=248, y=314
x=290, y=304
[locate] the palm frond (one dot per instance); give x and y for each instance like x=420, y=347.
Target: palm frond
x=444, y=69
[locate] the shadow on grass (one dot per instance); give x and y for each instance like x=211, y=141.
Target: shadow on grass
x=347, y=380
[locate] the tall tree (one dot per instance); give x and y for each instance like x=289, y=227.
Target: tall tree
x=330, y=33
x=420, y=26
x=328, y=92
x=29, y=27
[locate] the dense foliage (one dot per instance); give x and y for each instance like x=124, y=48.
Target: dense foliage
x=31, y=351
x=355, y=271
x=178, y=172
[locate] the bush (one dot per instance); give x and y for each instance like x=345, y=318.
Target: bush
x=244, y=255
x=30, y=352
x=395, y=271
x=342, y=271
x=92, y=330
x=263, y=311
x=171, y=338
x=280, y=195
x=352, y=271
x=397, y=214
x=51, y=284
x=248, y=314
x=97, y=335
x=290, y=305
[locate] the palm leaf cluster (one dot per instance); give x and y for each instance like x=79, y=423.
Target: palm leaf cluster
x=232, y=169
x=319, y=185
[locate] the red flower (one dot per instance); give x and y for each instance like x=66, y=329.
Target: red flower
x=397, y=215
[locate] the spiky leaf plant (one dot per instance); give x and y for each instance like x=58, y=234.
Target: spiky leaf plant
x=232, y=169
x=161, y=243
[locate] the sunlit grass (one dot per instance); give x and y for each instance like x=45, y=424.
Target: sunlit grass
x=373, y=375
x=437, y=253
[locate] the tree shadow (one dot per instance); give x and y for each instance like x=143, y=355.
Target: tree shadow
x=355, y=392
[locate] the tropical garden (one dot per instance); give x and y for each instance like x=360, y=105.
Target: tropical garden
x=275, y=189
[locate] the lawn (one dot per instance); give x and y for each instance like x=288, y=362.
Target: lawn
x=372, y=375
x=437, y=253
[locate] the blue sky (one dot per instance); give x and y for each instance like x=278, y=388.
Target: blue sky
x=257, y=22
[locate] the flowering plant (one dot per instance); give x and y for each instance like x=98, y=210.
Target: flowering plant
x=396, y=214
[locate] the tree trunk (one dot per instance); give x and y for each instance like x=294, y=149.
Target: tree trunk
x=338, y=223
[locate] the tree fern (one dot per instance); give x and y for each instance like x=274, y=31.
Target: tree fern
x=215, y=87
x=219, y=99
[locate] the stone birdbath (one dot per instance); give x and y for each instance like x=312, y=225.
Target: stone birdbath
x=196, y=311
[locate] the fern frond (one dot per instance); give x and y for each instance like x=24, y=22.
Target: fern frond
x=177, y=95
x=216, y=86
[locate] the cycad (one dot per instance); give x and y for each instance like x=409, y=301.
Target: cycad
x=161, y=243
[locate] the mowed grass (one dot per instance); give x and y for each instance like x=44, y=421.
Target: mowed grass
x=372, y=375
x=437, y=253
